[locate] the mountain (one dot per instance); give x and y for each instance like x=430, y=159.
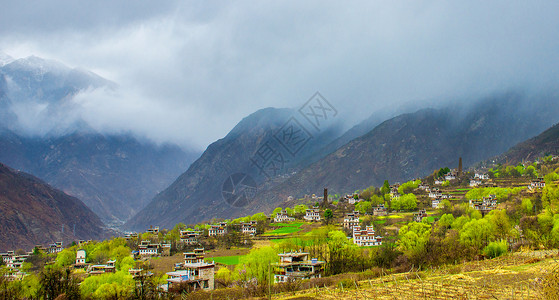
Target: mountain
x=32, y=212
x=546, y=143
x=197, y=194
x=116, y=175
x=415, y=144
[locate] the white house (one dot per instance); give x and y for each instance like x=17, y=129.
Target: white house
x=435, y=193
x=436, y=202
x=450, y=176
x=351, y=220
x=537, y=183
x=249, y=228
x=366, y=237
x=481, y=176
x=312, y=214
x=283, y=217
x=475, y=182
x=80, y=257
x=146, y=248
x=219, y=229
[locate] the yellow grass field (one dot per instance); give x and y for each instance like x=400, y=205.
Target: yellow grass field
x=517, y=276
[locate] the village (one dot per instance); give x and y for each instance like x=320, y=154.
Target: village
x=187, y=258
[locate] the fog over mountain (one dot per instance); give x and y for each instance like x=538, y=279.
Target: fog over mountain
x=188, y=71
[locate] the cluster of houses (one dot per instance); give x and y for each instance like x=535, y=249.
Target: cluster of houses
x=484, y=205
x=14, y=262
x=311, y=214
x=478, y=179
x=447, y=177
x=437, y=196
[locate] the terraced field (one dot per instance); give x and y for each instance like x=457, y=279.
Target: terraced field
x=516, y=276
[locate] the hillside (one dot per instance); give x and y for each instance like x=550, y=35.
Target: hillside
x=197, y=194
x=414, y=145
x=546, y=143
x=32, y=212
x=404, y=147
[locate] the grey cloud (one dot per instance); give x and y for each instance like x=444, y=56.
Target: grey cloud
x=188, y=71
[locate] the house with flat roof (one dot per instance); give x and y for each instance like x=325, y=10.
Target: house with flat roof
x=418, y=216
x=80, y=258
x=189, y=237
x=283, y=217
x=195, y=272
x=218, y=229
x=366, y=237
x=351, y=220
x=109, y=267
x=380, y=210
x=249, y=228
x=485, y=205
x=538, y=183
x=147, y=248
x=297, y=266
x=153, y=230
x=312, y=214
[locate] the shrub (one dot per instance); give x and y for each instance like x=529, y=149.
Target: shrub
x=495, y=249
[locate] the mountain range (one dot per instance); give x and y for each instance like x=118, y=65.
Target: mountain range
x=401, y=148
x=116, y=175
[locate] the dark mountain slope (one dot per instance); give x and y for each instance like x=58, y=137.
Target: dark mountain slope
x=32, y=212
x=414, y=145
x=546, y=143
x=196, y=194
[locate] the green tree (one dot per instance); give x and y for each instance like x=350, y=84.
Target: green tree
x=495, y=249
x=256, y=264
x=385, y=189
x=55, y=282
x=328, y=215
x=404, y=202
x=413, y=239
x=276, y=211
x=476, y=233
x=259, y=217
x=363, y=207
x=300, y=209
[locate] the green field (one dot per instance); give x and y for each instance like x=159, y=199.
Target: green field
x=294, y=224
x=283, y=230
x=286, y=228
x=226, y=260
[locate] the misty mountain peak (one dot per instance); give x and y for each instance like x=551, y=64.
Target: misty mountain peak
x=5, y=59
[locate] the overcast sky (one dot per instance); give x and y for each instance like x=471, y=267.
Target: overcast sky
x=188, y=71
